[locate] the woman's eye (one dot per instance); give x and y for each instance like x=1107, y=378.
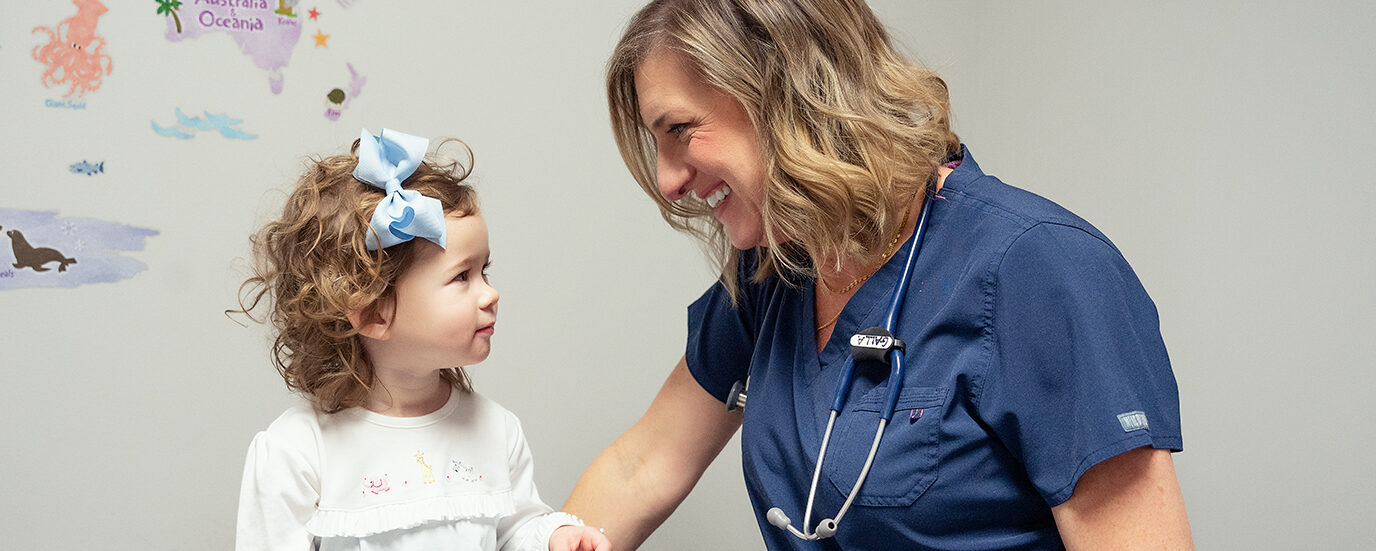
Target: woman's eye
x=678, y=129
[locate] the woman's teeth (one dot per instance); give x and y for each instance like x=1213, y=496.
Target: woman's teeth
x=716, y=197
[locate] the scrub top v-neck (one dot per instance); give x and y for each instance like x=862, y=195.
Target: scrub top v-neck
x=1033, y=354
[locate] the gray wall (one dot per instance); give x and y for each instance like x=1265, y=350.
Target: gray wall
x=1224, y=146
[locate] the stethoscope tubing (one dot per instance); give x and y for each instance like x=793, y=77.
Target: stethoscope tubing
x=895, y=382
x=891, y=321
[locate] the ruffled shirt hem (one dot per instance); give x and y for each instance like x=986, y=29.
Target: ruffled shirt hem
x=400, y=516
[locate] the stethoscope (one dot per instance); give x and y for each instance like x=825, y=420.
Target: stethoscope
x=874, y=343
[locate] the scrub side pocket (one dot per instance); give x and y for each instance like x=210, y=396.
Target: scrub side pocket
x=905, y=464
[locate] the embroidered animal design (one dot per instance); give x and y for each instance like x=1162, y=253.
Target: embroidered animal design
x=27, y=256
x=427, y=474
x=376, y=486
x=464, y=472
x=73, y=52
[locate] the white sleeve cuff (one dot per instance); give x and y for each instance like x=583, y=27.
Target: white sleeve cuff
x=543, y=526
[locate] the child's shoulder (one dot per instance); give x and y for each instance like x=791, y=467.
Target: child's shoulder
x=477, y=405
x=300, y=422
x=293, y=436
x=305, y=423
x=476, y=410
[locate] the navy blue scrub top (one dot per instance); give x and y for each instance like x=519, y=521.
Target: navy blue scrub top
x=1034, y=353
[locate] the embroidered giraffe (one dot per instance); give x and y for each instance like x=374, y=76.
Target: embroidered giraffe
x=427, y=474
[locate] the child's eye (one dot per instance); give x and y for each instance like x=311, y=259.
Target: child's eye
x=463, y=276
x=486, y=267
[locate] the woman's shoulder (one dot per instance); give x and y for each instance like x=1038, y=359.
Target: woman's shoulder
x=1004, y=212
x=1021, y=207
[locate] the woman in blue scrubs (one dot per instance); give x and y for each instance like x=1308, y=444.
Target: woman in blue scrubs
x=1038, y=409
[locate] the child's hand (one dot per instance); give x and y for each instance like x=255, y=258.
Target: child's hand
x=578, y=538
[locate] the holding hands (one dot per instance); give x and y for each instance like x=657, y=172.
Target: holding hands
x=578, y=538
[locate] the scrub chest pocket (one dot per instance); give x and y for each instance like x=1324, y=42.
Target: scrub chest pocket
x=905, y=464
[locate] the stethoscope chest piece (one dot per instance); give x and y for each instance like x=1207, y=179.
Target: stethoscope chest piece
x=736, y=398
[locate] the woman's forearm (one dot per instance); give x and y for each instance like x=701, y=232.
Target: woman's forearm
x=617, y=493
x=633, y=485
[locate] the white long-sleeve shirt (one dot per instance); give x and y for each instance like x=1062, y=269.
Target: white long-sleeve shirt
x=460, y=479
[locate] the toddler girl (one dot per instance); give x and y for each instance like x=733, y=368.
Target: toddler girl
x=376, y=276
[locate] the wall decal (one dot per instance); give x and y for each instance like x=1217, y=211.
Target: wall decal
x=89, y=169
x=170, y=8
x=223, y=124
x=45, y=250
x=287, y=7
x=337, y=100
x=35, y=258
x=74, y=53
x=266, y=32
x=65, y=103
x=171, y=132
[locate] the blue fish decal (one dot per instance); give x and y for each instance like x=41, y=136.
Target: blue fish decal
x=237, y=134
x=224, y=124
x=171, y=132
x=89, y=169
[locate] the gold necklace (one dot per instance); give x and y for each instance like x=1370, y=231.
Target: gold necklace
x=833, y=319
x=892, y=248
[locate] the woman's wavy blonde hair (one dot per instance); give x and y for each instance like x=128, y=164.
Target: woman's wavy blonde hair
x=313, y=266
x=850, y=128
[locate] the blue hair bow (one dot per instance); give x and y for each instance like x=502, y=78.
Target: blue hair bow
x=385, y=161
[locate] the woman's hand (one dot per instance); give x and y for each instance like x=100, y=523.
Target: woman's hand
x=578, y=538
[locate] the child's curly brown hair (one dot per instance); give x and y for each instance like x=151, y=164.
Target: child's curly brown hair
x=314, y=267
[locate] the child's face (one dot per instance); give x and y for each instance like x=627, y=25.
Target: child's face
x=445, y=310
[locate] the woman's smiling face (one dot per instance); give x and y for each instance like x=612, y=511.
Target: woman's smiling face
x=705, y=145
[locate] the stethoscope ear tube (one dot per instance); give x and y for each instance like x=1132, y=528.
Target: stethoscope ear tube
x=899, y=292
x=895, y=385
x=900, y=288
x=874, y=343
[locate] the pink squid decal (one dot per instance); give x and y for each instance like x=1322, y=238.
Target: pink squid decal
x=73, y=52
